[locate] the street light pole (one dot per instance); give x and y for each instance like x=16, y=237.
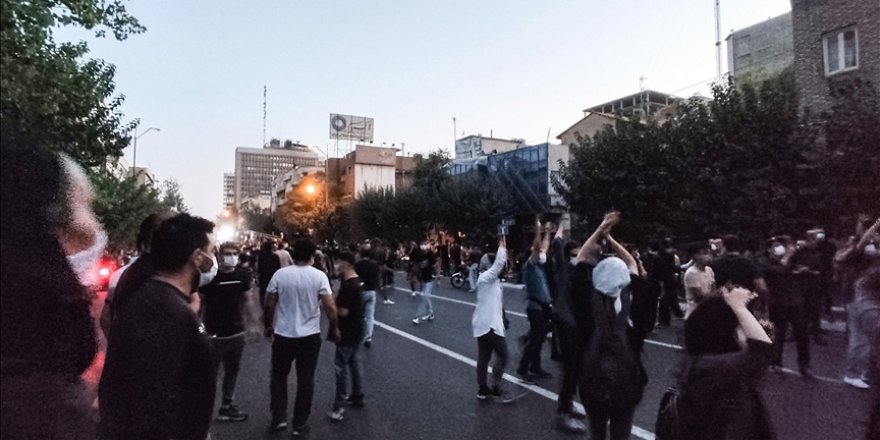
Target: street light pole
x=135, y=144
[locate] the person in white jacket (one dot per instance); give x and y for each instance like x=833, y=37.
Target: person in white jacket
x=489, y=324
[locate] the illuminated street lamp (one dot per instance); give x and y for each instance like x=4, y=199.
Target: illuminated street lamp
x=310, y=189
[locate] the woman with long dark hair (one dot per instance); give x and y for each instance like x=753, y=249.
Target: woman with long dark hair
x=49, y=242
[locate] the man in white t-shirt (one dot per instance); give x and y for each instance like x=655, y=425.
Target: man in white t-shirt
x=699, y=279
x=292, y=318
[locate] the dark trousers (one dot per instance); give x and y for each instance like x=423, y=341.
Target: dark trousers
x=228, y=351
x=572, y=346
x=602, y=420
x=538, y=326
x=669, y=303
x=284, y=352
x=486, y=345
x=347, y=360
x=782, y=316
x=813, y=306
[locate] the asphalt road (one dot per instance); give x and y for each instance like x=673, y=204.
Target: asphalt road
x=420, y=383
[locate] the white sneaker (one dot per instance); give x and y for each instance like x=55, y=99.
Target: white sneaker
x=388, y=301
x=577, y=412
x=568, y=423
x=416, y=293
x=856, y=382
x=336, y=414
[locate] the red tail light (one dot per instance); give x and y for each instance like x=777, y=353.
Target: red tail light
x=104, y=272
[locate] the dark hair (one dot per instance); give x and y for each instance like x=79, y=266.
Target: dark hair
x=732, y=243
x=230, y=245
x=711, y=329
x=347, y=257
x=367, y=253
x=176, y=239
x=303, y=250
x=569, y=246
x=698, y=247
x=148, y=226
x=36, y=279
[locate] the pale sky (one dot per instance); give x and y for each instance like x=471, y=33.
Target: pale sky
x=516, y=68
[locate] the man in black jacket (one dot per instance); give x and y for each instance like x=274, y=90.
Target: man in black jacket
x=158, y=379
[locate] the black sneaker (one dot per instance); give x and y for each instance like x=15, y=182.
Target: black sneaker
x=368, y=342
x=355, y=401
x=484, y=393
x=300, y=431
x=230, y=413
x=496, y=391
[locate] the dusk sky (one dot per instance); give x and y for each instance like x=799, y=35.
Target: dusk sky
x=516, y=68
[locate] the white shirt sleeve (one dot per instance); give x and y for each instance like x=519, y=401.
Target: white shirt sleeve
x=273, y=283
x=325, y=284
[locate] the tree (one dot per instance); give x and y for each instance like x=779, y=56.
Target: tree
x=121, y=206
x=431, y=170
x=49, y=92
x=739, y=164
x=171, y=196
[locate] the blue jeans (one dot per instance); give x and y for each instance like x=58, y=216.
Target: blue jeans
x=426, y=305
x=369, y=312
x=347, y=359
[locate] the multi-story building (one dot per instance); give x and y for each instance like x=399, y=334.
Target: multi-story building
x=473, y=146
x=289, y=180
x=143, y=175
x=761, y=50
x=257, y=168
x=834, y=41
x=525, y=174
x=228, y=191
x=642, y=105
x=368, y=168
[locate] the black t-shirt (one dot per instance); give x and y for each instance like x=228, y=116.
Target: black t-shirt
x=352, y=325
x=426, y=270
x=580, y=289
x=224, y=300
x=158, y=379
x=369, y=273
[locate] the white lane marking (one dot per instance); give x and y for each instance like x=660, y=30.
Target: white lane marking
x=458, y=301
x=636, y=431
x=647, y=341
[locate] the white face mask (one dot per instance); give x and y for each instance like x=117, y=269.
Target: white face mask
x=230, y=260
x=573, y=260
x=206, y=277
x=83, y=262
x=820, y=236
x=779, y=250
x=542, y=258
x=871, y=250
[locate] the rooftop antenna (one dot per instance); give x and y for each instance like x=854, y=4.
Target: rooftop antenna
x=454, y=130
x=264, y=115
x=718, y=41
x=642, y=83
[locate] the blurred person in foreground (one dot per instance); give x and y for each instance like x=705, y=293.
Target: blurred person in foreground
x=489, y=325
x=50, y=244
x=159, y=374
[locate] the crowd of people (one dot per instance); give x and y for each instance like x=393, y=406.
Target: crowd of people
x=177, y=315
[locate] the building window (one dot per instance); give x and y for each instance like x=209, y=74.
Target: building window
x=841, y=49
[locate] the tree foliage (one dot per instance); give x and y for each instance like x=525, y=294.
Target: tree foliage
x=171, y=196
x=49, y=91
x=121, y=206
x=743, y=162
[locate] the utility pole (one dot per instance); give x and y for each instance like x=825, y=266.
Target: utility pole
x=264, y=115
x=718, y=41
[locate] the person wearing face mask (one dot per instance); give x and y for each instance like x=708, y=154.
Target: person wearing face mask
x=699, y=279
x=223, y=303
x=159, y=372
x=860, y=256
x=787, y=302
x=538, y=306
x=50, y=241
